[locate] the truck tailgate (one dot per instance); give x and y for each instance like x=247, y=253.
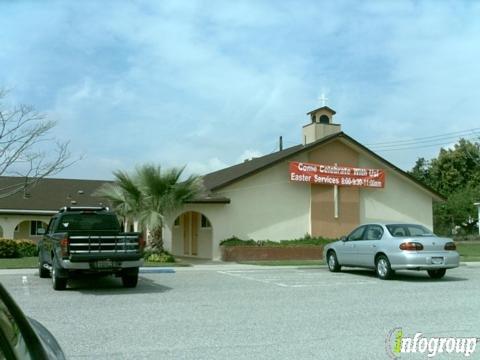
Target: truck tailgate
x=99, y=245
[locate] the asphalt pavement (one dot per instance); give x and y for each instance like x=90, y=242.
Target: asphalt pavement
x=250, y=312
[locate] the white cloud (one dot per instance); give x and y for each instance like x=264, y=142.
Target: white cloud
x=199, y=83
x=202, y=168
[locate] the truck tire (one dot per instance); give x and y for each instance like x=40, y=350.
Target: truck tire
x=130, y=277
x=58, y=283
x=42, y=271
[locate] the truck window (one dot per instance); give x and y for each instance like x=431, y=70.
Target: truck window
x=50, y=226
x=88, y=221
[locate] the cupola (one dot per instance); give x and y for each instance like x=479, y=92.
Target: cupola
x=321, y=125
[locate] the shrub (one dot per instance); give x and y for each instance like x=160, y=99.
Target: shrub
x=161, y=258
x=27, y=248
x=153, y=255
x=467, y=238
x=305, y=241
x=8, y=249
x=234, y=241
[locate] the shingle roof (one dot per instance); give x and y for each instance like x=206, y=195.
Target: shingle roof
x=218, y=179
x=51, y=194
x=225, y=176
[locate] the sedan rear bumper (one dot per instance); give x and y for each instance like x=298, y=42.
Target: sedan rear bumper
x=424, y=261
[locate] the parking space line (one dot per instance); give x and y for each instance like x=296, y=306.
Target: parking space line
x=291, y=280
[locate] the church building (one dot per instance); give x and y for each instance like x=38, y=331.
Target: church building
x=325, y=186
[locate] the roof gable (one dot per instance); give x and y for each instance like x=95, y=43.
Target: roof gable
x=221, y=178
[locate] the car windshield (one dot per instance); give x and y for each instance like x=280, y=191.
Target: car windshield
x=403, y=230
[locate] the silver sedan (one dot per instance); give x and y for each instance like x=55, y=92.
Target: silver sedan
x=388, y=247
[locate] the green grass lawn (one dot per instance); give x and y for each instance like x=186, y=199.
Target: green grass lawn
x=19, y=263
x=469, y=251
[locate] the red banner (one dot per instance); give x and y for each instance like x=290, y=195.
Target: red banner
x=336, y=175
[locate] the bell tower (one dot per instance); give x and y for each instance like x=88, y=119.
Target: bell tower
x=321, y=125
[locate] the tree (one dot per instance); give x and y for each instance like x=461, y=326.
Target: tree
x=458, y=214
x=124, y=195
x=421, y=171
x=455, y=173
x=24, y=133
x=149, y=195
x=456, y=168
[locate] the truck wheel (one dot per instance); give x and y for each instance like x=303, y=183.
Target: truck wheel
x=130, y=278
x=42, y=272
x=58, y=283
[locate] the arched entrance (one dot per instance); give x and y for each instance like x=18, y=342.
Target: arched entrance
x=192, y=235
x=28, y=229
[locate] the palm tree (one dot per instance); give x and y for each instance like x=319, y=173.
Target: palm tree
x=149, y=195
x=124, y=195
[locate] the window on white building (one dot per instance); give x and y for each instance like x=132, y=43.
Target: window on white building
x=34, y=226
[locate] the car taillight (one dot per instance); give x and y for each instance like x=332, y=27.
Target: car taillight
x=450, y=246
x=64, y=246
x=414, y=246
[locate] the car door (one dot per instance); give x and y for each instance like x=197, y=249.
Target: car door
x=348, y=253
x=367, y=247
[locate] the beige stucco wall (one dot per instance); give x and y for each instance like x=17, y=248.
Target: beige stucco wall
x=207, y=248
x=265, y=205
x=315, y=131
x=400, y=200
x=9, y=222
x=268, y=206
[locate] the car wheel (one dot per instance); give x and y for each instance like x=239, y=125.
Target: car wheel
x=437, y=273
x=332, y=262
x=383, y=268
x=42, y=271
x=58, y=283
x=130, y=278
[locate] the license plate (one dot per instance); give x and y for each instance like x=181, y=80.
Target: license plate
x=103, y=264
x=437, y=260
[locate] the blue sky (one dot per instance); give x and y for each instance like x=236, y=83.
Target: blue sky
x=209, y=83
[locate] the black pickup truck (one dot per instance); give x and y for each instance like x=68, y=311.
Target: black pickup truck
x=88, y=240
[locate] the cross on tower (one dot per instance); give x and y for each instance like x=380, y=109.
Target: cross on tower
x=323, y=99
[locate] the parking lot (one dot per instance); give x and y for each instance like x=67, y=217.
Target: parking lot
x=223, y=312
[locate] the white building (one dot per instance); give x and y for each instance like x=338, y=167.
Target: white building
x=260, y=198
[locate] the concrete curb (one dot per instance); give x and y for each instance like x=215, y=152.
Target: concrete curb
x=234, y=266
x=206, y=267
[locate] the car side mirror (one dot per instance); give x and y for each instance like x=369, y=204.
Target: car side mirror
x=17, y=335
x=343, y=238
x=41, y=231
